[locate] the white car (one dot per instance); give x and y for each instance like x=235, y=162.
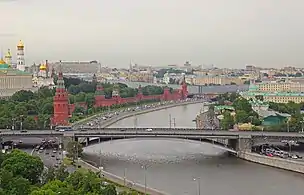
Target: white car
x=149, y=130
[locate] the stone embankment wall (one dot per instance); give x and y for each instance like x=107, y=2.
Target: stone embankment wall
x=130, y=114
x=287, y=164
x=120, y=180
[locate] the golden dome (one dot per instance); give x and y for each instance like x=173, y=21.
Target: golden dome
x=42, y=67
x=2, y=61
x=20, y=44
x=8, y=54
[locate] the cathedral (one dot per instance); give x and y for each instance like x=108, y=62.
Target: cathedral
x=14, y=78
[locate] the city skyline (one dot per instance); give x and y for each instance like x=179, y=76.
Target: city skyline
x=266, y=34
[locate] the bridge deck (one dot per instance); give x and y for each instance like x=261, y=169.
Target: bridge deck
x=156, y=131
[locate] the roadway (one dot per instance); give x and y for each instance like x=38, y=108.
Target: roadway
x=87, y=132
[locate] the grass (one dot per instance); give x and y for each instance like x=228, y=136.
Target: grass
x=67, y=161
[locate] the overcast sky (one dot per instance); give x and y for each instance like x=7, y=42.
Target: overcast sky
x=227, y=33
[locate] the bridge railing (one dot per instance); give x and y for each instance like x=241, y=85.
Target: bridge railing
x=143, y=129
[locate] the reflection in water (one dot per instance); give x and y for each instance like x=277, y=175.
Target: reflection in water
x=173, y=163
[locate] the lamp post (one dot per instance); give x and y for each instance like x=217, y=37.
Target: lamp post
x=125, y=176
x=198, y=180
x=145, y=167
x=302, y=121
x=21, y=122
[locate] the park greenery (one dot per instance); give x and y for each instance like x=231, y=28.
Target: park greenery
x=23, y=174
x=33, y=110
x=243, y=113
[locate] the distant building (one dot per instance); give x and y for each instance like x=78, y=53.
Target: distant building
x=272, y=96
x=77, y=67
x=12, y=80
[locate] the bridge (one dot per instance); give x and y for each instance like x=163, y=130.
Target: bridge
x=235, y=141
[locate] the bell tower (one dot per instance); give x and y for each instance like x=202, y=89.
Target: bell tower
x=61, y=102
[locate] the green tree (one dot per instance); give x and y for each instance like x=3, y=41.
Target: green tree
x=13, y=185
x=227, y=122
x=61, y=173
x=22, y=164
x=74, y=148
x=241, y=116
x=30, y=123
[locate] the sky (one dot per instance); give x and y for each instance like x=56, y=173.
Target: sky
x=226, y=33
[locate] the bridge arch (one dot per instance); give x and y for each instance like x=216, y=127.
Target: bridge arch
x=217, y=142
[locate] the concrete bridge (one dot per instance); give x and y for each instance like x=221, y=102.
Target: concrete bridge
x=234, y=141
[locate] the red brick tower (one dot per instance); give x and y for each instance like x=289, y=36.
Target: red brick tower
x=99, y=96
x=61, y=102
x=139, y=95
x=184, y=88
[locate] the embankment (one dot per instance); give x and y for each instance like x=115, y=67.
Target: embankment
x=286, y=164
x=121, y=181
x=139, y=112
x=117, y=179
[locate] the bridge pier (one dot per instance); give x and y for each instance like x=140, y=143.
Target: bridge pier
x=242, y=144
x=87, y=141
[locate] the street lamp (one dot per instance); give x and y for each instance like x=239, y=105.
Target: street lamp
x=21, y=122
x=125, y=176
x=302, y=121
x=198, y=180
x=145, y=167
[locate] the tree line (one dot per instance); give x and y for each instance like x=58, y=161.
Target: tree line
x=33, y=110
x=245, y=114
x=23, y=174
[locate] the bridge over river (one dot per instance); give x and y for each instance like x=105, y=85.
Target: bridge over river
x=234, y=140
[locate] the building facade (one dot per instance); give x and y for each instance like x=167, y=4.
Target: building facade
x=272, y=96
x=12, y=79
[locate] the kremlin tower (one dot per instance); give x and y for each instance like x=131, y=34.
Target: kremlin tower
x=61, y=102
x=20, y=57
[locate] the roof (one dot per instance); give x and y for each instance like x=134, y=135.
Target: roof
x=283, y=94
x=8, y=54
x=20, y=44
x=224, y=107
x=268, y=113
x=2, y=62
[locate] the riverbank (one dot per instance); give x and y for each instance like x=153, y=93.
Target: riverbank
x=139, y=112
x=122, y=181
x=286, y=164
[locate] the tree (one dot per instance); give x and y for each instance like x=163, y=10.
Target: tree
x=74, y=148
x=22, y=164
x=13, y=185
x=61, y=173
x=228, y=122
x=241, y=116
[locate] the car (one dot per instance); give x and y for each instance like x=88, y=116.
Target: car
x=53, y=155
x=23, y=131
x=149, y=129
x=54, y=151
x=20, y=141
x=46, y=153
x=122, y=130
x=57, y=158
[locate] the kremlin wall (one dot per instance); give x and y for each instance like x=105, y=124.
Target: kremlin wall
x=63, y=110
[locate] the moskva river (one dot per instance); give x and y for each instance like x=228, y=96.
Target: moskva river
x=178, y=166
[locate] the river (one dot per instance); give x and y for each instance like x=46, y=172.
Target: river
x=172, y=164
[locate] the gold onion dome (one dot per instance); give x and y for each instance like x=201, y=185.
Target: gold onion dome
x=20, y=44
x=42, y=67
x=2, y=61
x=8, y=54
